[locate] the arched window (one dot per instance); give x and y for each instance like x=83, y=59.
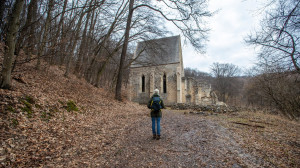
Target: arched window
x=165, y=83
x=143, y=83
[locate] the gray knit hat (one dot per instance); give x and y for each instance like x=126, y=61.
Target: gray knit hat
x=156, y=91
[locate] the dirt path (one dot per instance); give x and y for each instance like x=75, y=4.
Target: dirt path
x=187, y=141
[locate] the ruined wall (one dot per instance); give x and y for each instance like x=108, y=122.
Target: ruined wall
x=192, y=92
x=153, y=79
x=197, y=93
x=205, y=94
x=189, y=91
x=183, y=88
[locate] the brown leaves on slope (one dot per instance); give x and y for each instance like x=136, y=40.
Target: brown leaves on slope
x=52, y=136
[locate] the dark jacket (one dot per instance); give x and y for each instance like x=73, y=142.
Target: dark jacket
x=155, y=113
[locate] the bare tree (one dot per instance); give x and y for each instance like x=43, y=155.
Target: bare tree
x=124, y=51
x=201, y=76
x=279, y=36
x=83, y=45
x=2, y=7
x=3, y=10
x=45, y=34
x=10, y=42
x=31, y=18
x=103, y=45
x=276, y=89
x=74, y=43
x=60, y=34
x=277, y=75
x=225, y=80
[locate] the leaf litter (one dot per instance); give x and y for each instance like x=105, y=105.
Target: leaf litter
x=108, y=133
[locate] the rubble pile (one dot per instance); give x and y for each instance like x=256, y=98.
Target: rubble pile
x=204, y=108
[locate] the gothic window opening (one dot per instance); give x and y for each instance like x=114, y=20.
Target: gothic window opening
x=143, y=83
x=165, y=83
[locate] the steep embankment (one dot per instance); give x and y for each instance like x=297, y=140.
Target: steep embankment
x=48, y=119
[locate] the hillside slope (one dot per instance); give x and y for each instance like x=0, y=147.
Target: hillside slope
x=46, y=120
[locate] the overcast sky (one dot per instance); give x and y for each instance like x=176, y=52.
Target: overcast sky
x=229, y=27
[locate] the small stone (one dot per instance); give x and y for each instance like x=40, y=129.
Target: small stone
x=13, y=157
x=2, y=151
x=2, y=158
x=235, y=165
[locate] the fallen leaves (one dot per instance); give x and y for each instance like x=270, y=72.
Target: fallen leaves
x=72, y=122
x=108, y=133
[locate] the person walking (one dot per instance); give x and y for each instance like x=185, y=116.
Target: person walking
x=156, y=104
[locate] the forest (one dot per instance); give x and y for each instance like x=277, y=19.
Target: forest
x=89, y=38
x=95, y=40
x=65, y=67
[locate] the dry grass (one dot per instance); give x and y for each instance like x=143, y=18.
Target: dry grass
x=270, y=137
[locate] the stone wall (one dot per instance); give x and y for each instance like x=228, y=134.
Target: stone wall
x=159, y=57
x=153, y=79
x=190, y=90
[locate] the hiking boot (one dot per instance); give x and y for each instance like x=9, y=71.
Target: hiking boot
x=154, y=136
x=157, y=137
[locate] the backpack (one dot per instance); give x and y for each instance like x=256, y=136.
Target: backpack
x=155, y=104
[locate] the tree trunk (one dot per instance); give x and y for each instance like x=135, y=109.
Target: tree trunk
x=60, y=36
x=89, y=40
x=74, y=44
x=82, y=48
x=32, y=10
x=10, y=42
x=2, y=8
x=62, y=42
x=102, y=68
x=88, y=69
x=100, y=50
x=123, y=54
x=44, y=38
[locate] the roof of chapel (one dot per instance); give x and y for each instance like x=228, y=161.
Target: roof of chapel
x=158, y=52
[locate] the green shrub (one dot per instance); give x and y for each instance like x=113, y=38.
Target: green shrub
x=14, y=122
x=71, y=106
x=11, y=109
x=28, y=110
x=46, y=116
x=29, y=99
x=38, y=106
x=28, y=106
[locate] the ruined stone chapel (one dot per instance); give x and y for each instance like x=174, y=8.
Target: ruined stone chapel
x=158, y=64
